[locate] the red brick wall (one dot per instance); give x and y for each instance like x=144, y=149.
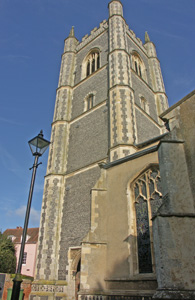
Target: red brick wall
x=26, y=285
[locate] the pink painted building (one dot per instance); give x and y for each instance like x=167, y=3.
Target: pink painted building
x=30, y=250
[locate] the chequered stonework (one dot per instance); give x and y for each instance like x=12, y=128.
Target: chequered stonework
x=114, y=118
x=41, y=231
x=75, y=213
x=61, y=103
x=65, y=72
x=122, y=117
x=51, y=228
x=115, y=8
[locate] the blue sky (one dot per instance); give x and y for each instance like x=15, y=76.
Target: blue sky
x=31, y=43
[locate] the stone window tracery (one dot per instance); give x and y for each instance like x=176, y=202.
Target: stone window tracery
x=147, y=200
x=138, y=65
x=92, y=62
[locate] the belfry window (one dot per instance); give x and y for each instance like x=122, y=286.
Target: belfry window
x=147, y=200
x=93, y=62
x=138, y=65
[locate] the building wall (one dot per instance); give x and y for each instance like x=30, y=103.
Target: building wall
x=76, y=212
x=95, y=84
x=146, y=128
x=31, y=250
x=173, y=242
x=88, y=140
x=109, y=249
x=25, y=287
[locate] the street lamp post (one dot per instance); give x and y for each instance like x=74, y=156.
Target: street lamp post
x=38, y=146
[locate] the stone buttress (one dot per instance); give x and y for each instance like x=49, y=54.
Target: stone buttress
x=122, y=126
x=48, y=247
x=156, y=75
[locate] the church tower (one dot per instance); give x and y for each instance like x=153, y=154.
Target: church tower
x=108, y=101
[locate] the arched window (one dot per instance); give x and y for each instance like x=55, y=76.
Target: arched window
x=92, y=62
x=138, y=65
x=144, y=104
x=89, y=102
x=147, y=200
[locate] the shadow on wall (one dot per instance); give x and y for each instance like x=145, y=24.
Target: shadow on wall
x=123, y=271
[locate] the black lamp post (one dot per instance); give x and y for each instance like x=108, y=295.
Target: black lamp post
x=38, y=146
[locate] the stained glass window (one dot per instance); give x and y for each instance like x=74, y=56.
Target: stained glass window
x=148, y=198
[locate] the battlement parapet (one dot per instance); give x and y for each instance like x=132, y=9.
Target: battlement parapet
x=137, y=40
x=94, y=33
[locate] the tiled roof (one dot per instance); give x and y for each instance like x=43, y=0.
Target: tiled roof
x=32, y=234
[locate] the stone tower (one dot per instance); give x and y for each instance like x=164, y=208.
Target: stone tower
x=108, y=101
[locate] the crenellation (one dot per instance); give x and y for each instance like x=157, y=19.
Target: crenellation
x=104, y=22
x=94, y=30
x=137, y=40
x=85, y=37
x=140, y=41
x=88, y=38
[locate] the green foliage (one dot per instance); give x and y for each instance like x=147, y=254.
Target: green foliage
x=7, y=255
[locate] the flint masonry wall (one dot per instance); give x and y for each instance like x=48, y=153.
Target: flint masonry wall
x=141, y=89
x=88, y=144
x=88, y=139
x=146, y=129
x=75, y=214
x=96, y=85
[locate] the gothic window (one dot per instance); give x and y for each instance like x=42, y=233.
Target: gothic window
x=144, y=104
x=89, y=101
x=92, y=62
x=147, y=200
x=138, y=65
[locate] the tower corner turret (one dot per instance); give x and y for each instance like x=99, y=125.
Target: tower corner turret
x=70, y=42
x=115, y=8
